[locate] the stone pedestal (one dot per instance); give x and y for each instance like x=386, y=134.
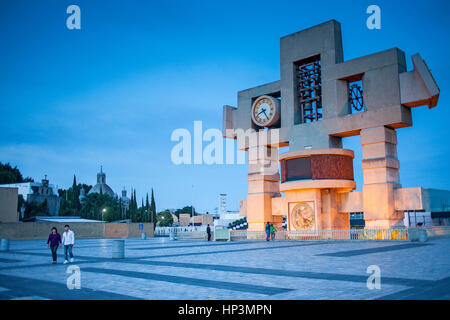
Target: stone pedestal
x=381, y=177
x=312, y=181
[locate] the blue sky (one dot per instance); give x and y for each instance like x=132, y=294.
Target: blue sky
x=112, y=93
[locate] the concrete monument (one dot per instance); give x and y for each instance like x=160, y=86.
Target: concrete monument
x=319, y=100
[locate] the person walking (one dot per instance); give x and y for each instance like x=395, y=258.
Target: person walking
x=208, y=231
x=54, y=240
x=272, y=232
x=68, y=240
x=267, y=231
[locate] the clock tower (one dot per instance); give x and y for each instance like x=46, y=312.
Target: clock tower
x=320, y=100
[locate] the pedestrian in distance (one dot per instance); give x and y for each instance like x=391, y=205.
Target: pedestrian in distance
x=68, y=240
x=208, y=231
x=54, y=240
x=272, y=232
x=267, y=231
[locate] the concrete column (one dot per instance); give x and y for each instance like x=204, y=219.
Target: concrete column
x=263, y=185
x=381, y=177
x=330, y=218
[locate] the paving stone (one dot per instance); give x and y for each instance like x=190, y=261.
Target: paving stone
x=160, y=269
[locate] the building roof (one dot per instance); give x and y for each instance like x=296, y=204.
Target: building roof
x=64, y=219
x=101, y=186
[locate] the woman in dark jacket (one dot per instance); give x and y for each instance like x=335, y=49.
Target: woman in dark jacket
x=54, y=240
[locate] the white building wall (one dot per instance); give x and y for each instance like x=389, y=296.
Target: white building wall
x=25, y=188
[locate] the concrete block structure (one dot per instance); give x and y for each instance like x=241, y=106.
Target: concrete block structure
x=319, y=100
x=8, y=205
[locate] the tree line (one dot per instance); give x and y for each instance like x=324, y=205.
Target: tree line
x=99, y=206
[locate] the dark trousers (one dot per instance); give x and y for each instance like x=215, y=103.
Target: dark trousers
x=54, y=248
x=209, y=236
x=68, y=249
x=267, y=235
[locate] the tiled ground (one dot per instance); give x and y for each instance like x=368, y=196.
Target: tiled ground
x=162, y=269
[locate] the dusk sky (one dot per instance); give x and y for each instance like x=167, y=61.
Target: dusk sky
x=112, y=93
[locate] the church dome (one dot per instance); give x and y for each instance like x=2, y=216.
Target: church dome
x=101, y=186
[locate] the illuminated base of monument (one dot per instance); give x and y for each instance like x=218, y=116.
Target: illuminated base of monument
x=318, y=192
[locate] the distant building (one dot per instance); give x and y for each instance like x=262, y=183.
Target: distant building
x=184, y=219
x=225, y=217
x=101, y=186
x=38, y=192
x=202, y=219
x=64, y=219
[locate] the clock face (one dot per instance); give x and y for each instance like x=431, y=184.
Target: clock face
x=265, y=111
x=302, y=217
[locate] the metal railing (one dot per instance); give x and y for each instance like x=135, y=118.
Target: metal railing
x=351, y=234
x=311, y=235
x=166, y=231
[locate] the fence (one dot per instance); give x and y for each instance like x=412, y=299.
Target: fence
x=317, y=235
x=351, y=234
x=165, y=231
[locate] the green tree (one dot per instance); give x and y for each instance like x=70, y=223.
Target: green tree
x=153, y=210
x=186, y=209
x=20, y=202
x=148, y=215
x=75, y=194
x=34, y=208
x=98, y=206
x=8, y=174
x=43, y=207
x=70, y=199
x=164, y=219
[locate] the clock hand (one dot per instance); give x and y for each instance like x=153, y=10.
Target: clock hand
x=266, y=114
x=263, y=110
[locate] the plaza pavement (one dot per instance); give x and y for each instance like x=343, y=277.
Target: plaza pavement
x=161, y=269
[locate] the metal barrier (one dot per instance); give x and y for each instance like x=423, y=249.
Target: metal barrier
x=193, y=235
x=316, y=235
x=351, y=234
x=166, y=231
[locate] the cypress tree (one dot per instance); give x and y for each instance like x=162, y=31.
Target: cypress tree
x=131, y=210
x=153, y=210
x=147, y=209
x=75, y=195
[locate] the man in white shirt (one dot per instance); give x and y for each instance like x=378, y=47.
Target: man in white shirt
x=68, y=239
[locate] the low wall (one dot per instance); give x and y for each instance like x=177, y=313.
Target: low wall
x=134, y=232
x=40, y=230
x=115, y=230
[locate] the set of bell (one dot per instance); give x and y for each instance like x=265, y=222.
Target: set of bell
x=310, y=110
